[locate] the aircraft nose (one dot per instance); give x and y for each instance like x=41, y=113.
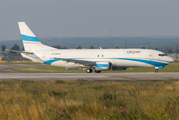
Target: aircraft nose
x=170, y=60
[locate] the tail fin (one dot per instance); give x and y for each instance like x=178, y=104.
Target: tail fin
x=30, y=41
x=26, y=34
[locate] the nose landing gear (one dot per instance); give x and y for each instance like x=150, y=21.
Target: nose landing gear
x=156, y=70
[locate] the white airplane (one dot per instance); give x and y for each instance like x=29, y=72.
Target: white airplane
x=98, y=59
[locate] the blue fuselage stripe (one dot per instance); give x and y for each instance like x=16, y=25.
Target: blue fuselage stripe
x=49, y=62
x=150, y=62
x=29, y=38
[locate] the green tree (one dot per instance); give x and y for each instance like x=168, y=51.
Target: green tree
x=176, y=50
x=168, y=50
x=3, y=48
x=64, y=47
x=58, y=46
x=157, y=49
x=116, y=47
x=91, y=47
x=79, y=47
x=15, y=47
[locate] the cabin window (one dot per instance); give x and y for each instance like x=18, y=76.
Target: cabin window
x=162, y=55
x=98, y=55
x=102, y=55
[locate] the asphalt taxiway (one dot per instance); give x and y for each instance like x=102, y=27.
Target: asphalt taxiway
x=5, y=74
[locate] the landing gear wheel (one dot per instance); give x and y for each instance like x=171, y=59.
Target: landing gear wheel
x=156, y=70
x=97, y=71
x=89, y=70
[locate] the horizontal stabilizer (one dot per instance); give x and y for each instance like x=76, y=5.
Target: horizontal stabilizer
x=20, y=51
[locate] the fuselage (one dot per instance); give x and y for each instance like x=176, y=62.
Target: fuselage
x=118, y=57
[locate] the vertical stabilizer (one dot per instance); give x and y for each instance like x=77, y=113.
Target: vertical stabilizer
x=30, y=41
x=26, y=34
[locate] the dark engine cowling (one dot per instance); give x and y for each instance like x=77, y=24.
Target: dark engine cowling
x=103, y=66
x=119, y=68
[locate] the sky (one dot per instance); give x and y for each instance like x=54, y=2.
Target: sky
x=90, y=18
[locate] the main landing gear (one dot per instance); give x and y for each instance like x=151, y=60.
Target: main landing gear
x=89, y=70
x=97, y=71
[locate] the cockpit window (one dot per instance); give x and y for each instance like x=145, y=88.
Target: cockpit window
x=162, y=54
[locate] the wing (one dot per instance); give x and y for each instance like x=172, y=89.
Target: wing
x=83, y=62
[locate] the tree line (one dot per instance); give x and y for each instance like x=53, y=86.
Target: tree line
x=16, y=47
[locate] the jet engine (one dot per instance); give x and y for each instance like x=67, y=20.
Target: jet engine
x=102, y=66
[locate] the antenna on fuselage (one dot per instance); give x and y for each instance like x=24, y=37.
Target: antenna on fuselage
x=126, y=41
x=146, y=46
x=110, y=38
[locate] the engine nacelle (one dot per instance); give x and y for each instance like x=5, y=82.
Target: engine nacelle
x=103, y=66
x=119, y=68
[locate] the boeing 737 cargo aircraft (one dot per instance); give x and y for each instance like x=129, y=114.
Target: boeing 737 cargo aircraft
x=98, y=59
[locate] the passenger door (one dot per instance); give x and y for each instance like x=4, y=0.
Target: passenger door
x=44, y=56
x=151, y=55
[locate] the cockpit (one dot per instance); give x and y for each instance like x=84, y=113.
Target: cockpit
x=162, y=55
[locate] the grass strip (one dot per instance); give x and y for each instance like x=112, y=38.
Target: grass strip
x=176, y=61
x=168, y=68
x=89, y=100
x=17, y=62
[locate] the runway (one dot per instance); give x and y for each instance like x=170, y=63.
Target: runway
x=90, y=76
x=5, y=74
